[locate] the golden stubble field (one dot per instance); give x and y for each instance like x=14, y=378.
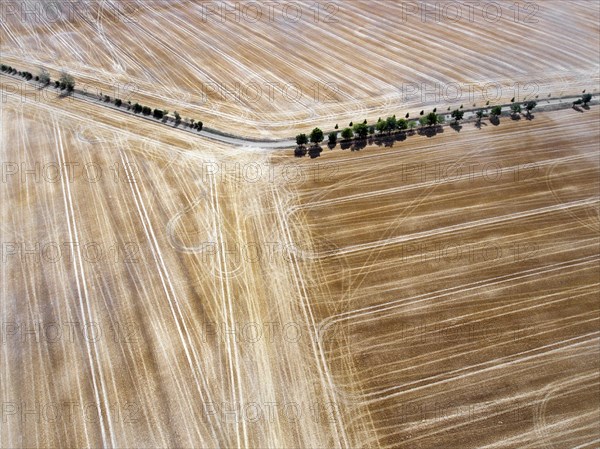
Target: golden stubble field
x=151, y=295
x=460, y=280
x=263, y=69
x=164, y=291
x=161, y=290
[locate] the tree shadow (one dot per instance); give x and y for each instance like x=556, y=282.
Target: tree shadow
x=456, y=127
x=431, y=131
x=345, y=144
x=315, y=151
x=529, y=116
x=515, y=117
x=385, y=140
x=331, y=145
x=495, y=120
x=65, y=93
x=300, y=152
x=359, y=144
x=577, y=108
x=400, y=137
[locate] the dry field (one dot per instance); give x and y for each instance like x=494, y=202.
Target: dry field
x=124, y=275
x=376, y=302
x=158, y=289
x=355, y=59
x=458, y=293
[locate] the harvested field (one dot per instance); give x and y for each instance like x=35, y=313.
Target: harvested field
x=447, y=305
x=135, y=310
x=459, y=301
x=428, y=289
x=263, y=75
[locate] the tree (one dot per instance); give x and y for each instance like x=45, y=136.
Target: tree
x=381, y=126
x=146, y=110
x=530, y=106
x=158, y=114
x=390, y=124
x=371, y=130
x=423, y=121
x=177, y=117
x=586, y=98
x=137, y=108
x=301, y=139
x=496, y=111
x=44, y=77
x=457, y=115
x=433, y=119
x=118, y=102
x=479, y=114
x=347, y=133
x=361, y=130
x=106, y=99
x=402, y=124
x=515, y=108
x=316, y=136
x=332, y=138
x=199, y=125
x=67, y=81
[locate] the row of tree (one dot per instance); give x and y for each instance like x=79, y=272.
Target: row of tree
x=158, y=114
x=391, y=124
x=161, y=114
x=363, y=130
x=65, y=82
